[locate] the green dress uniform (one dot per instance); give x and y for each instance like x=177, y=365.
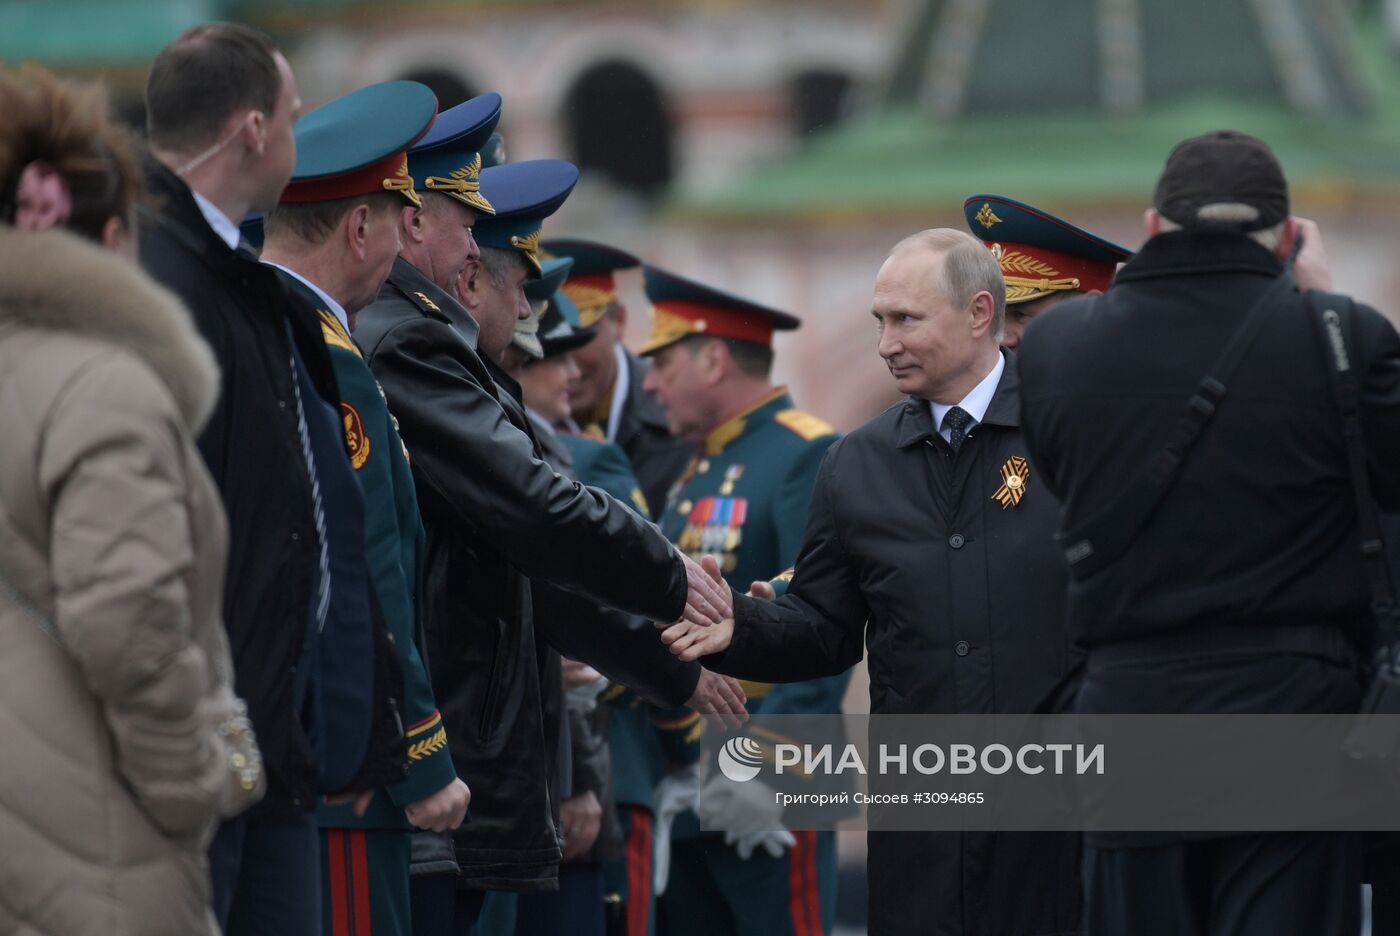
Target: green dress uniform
x=743, y=499
x=369, y=854
x=645, y=741
x=353, y=147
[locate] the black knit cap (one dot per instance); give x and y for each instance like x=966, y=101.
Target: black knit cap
x=1222, y=166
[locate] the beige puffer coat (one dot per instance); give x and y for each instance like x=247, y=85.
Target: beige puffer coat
x=112, y=770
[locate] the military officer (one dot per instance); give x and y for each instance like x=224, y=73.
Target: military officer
x=494, y=513
x=365, y=853
x=743, y=499
x=646, y=742
x=607, y=398
x=1044, y=259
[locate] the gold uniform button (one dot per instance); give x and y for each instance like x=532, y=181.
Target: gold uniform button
x=703, y=467
x=684, y=507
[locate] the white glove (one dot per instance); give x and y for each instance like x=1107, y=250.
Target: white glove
x=584, y=698
x=678, y=792
x=774, y=843
x=739, y=808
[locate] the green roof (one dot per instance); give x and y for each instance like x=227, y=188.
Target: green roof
x=96, y=32
x=900, y=161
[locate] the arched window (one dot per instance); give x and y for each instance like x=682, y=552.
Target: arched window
x=819, y=100
x=619, y=126
x=449, y=87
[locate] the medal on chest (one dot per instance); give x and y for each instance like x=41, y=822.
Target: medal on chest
x=714, y=525
x=1015, y=475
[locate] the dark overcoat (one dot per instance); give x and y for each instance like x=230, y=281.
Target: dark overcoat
x=956, y=598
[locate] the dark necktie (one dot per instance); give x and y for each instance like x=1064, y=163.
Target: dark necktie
x=957, y=421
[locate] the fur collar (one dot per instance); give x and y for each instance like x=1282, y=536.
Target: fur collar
x=59, y=281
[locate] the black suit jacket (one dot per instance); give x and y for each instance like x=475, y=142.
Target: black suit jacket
x=252, y=447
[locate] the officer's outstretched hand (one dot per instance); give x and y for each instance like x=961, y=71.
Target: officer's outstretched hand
x=718, y=695
x=707, y=601
x=444, y=810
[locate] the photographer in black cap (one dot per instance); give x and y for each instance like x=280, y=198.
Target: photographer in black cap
x=1232, y=583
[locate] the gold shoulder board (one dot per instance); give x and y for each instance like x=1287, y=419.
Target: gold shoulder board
x=806, y=425
x=335, y=334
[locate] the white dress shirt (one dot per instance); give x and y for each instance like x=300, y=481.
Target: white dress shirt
x=226, y=229
x=974, y=404
x=331, y=305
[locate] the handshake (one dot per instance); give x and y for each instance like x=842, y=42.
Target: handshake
x=707, y=627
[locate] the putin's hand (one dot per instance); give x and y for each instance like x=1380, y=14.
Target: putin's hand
x=690, y=641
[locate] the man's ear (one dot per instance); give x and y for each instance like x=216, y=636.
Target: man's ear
x=356, y=230
x=1152, y=222
x=1289, y=238
x=980, y=311
x=715, y=361
x=411, y=224
x=467, y=291
x=620, y=315
x=255, y=131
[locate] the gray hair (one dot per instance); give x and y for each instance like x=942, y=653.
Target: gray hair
x=498, y=262
x=1234, y=213
x=968, y=268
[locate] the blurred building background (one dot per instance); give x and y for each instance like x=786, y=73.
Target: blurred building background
x=778, y=148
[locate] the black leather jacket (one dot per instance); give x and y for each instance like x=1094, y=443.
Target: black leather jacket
x=495, y=516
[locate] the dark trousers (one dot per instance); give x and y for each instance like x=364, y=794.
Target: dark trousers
x=267, y=876
x=441, y=908
x=1276, y=884
x=575, y=909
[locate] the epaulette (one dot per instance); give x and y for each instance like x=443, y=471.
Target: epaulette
x=424, y=303
x=684, y=723
x=785, y=576
x=755, y=690
x=805, y=425
x=335, y=334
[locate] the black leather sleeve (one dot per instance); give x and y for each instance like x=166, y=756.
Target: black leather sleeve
x=484, y=468
x=590, y=761
x=816, y=628
x=623, y=647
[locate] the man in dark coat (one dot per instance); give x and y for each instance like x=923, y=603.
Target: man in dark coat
x=221, y=101
x=1240, y=590
x=607, y=397
x=929, y=541
x=497, y=516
